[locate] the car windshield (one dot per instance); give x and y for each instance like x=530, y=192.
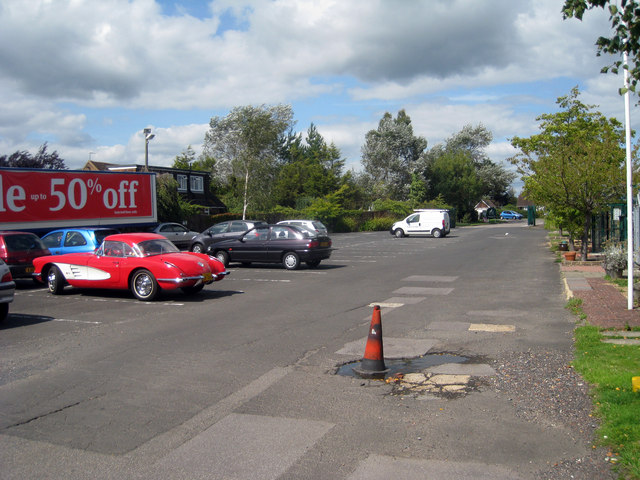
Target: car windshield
x=156, y=247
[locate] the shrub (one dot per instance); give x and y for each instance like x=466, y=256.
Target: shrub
x=402, y=209
x=377, y=224
x=345, y=225
x=615, y=258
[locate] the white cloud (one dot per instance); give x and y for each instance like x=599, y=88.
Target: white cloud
x=122, y=64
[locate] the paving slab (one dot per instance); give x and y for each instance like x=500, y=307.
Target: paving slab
x=492, y=328
x=621, y=341
x=430, y=278
x=243, y=446
x=449, y=326
x=422, y=291
x=380, y=467
x=618, y=333
x=405, y=300
x=496, y=313
x=577, y=283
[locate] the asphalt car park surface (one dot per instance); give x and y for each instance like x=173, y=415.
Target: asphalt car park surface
x=240, y=380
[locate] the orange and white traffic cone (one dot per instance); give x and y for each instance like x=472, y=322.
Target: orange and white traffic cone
x=372, y=365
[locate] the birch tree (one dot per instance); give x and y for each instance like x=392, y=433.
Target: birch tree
x=245, y=145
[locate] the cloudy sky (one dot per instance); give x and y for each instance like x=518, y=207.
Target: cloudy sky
x=88, y=76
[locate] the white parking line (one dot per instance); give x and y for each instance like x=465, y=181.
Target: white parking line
x=75, y=321
x=341, y=260
x=258, y=280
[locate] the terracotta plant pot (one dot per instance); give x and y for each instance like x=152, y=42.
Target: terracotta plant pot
x=570, y=256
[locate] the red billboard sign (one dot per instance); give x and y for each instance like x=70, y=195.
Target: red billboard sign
x=56, y=198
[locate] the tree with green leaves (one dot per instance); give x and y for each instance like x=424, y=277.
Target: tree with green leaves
x=390, y=155
x=625, y=22
x=575, y=165
x=453, y=176
x=310, y=169
x=42, y=159
x=171, y=206
x=245, y=145
x=482, y=177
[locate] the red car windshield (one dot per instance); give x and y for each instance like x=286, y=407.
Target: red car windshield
x=156, y=247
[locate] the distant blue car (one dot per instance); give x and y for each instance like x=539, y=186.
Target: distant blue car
x=76, y=240
x=510, y=215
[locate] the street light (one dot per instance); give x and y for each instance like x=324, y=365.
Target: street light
x=147, y=136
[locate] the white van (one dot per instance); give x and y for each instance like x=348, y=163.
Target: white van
x=432, y=222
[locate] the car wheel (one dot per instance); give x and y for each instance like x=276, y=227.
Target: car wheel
x=197, y=248
x=193, y=289
x=313, y=263
x=398, y=233
x=436, y=232
x=4, y=311
x=290, y=260
x=55, y=280
x=223, y=257
x=144, y=285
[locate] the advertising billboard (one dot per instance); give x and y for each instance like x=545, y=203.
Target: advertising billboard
x=33, y=199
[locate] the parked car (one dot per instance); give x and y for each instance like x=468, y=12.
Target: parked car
x=145, y=263
x=7, y=290
x=76, y=240
x=286, y=244
x=179, y=234
x=221, y=231
x=434, y=222
x=313, y=225
x=510, y=215
x=18, y=250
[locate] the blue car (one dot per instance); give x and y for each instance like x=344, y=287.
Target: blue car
x=510, y=215
x=76, y=240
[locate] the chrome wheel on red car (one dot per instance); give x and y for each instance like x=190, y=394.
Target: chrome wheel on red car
x=144, y=285
x=55, y=280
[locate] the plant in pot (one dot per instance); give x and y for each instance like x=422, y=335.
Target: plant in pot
x=615, y=259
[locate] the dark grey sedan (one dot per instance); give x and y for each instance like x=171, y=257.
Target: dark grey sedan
x=179, y=234
x=221, y=231
x=285, y=244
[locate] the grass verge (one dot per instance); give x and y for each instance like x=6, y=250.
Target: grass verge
x=609, y=369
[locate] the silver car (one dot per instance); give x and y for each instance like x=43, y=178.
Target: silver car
x=7, y=290
x=179, y=234
x=313, y=225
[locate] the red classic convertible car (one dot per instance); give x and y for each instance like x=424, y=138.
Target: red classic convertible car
x=146, y=263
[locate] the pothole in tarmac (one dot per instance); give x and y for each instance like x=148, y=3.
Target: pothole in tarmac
x=411, y=376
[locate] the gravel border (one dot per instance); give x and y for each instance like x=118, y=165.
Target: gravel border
x=544, y=388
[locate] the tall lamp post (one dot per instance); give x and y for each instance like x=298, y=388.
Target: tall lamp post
x=147, y=136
